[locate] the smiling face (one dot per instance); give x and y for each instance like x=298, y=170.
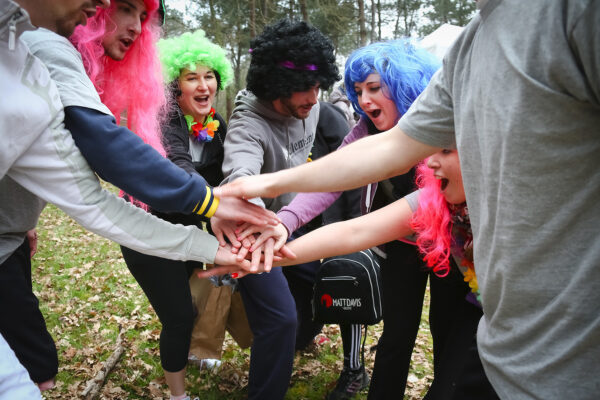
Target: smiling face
x=123, y=27
x=63, y=16
x=446, y=167
x=299, y=104
x=198, y=88
x=372, y=99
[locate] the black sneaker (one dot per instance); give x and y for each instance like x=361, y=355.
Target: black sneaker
x=349, y=383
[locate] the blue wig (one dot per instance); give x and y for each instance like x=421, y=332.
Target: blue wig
x=404, y=69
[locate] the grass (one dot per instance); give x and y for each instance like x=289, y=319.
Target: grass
x=87, y=294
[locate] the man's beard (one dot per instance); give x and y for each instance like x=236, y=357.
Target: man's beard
x=293, y=109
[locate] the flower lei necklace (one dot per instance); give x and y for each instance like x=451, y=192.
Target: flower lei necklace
x=203, y=132
x=463, y=240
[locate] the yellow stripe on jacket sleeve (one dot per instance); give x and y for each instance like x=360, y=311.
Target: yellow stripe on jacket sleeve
x=213, y=208
x=207, y=201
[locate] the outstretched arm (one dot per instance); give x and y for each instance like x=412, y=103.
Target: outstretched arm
x=67, y=181
x=367, y=160
x=384, y=225
x=120, y=157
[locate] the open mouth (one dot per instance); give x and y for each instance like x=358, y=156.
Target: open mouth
x=127, y=42
x=90, y=12
x=201, y=99
x=444, y=183
x=375, y=113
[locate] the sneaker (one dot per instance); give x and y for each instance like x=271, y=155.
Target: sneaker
x=349, y=383
x=211, y=363
x=207, y=363
x=192, y=359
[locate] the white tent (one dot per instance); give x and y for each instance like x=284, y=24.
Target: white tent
x=440, y=40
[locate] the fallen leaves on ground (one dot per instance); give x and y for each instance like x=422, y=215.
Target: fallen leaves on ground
x=86, y=292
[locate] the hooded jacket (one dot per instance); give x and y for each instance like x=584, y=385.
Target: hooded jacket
x=260, y=140
x=38, y=157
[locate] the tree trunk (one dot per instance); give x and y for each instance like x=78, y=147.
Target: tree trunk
x=252, y=6
x=265, y=12
x=373, y=26
x=229, y=98
x=397, y=23
x=362, y=30
x=304, y=10
x=445, y=11
x=236, y=59
x=378, y=19
x=213, y=23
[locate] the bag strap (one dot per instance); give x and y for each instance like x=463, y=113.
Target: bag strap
x=362, y=350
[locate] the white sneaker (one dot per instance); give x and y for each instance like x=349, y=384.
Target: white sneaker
x=210, y=363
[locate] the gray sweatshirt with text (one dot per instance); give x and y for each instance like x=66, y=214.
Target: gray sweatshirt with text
x=260, y=140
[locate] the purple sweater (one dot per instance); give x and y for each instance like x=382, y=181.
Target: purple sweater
x=305, y=206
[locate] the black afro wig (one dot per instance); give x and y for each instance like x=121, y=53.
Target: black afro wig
x=290, y=57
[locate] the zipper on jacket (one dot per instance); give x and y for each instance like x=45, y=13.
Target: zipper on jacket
x=12, y=29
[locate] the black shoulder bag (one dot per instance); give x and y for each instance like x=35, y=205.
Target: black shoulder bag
x=348, y=290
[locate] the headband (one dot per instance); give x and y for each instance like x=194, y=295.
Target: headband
x=304, y=67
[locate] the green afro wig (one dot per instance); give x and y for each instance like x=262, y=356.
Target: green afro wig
x=190, y=50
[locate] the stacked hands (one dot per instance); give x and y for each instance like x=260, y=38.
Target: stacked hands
x=251, y=246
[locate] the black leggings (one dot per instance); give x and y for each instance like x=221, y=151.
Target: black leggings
x=404, y=281
x=460, y=374
x=21, y=321
x=166, y=284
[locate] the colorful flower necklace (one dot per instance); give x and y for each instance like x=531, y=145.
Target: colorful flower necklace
x=203, y=132
x=463, y=245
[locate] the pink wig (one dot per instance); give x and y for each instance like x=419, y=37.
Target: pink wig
x=432, y=222
x=134, y=84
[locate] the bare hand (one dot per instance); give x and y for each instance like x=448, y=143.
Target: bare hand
x=278, y=233
x=225, y=257
x=226, y=229
x=263, y=257
x=223, y=228
x=263, y=252
x=249, y=187
x=285, y=254
x=234, y=209
x=33, y=240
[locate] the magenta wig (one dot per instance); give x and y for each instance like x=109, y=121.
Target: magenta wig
x=432, y=222
x=135, y=84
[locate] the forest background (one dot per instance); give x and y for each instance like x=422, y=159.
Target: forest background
x=349, y=24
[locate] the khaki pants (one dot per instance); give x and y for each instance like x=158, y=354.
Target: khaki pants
x=218, y=310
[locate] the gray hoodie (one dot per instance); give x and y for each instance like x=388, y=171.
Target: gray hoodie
x=260, y=140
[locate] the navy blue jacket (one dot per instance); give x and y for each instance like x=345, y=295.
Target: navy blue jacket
x=120, y=157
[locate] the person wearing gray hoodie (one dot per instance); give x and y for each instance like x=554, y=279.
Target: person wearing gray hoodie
x=272, y=128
